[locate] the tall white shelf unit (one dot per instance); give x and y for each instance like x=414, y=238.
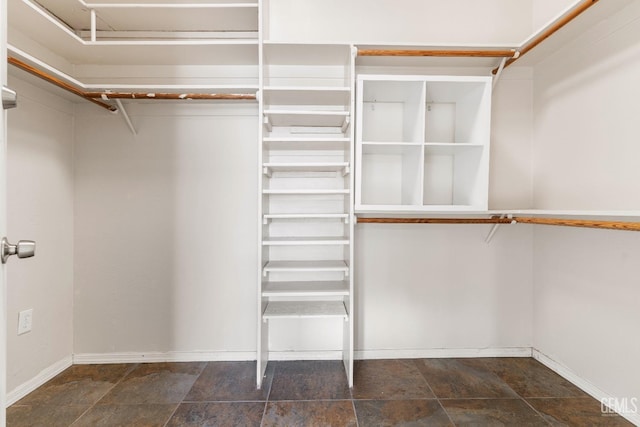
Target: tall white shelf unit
x=422, y=143
x=306, y=208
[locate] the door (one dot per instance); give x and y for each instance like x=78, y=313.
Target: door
x=3, y=218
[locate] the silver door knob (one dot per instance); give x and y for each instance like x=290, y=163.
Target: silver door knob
x=24, y=249
x=9, y=98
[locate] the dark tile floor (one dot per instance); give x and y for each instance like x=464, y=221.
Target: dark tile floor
x=420, y=392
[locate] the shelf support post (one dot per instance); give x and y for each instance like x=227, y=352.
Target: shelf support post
x=267, y=124
x=498, y=73
x=94, y=25
x=345, y=124
x=125, y=116
x=494, y=227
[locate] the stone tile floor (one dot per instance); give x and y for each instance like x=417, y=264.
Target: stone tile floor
x=400, y=392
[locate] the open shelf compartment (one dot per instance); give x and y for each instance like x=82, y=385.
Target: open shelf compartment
x=304, y=309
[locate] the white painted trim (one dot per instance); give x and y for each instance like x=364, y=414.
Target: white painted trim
x=199, y=356
x=439, y=353
x=306, y=355
x=580, y=382
x=169, y=356
x=45, y=375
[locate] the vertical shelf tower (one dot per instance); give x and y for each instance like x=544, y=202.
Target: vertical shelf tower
x=306, y=208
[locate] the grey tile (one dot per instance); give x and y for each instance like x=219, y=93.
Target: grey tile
x=580, y=411
x=43, y=415
x=530, y=378
x=463, y=378
x=389, y=379
x=155, y=383
x=229, y=381
x=149, y=415
x=492, y=412
x=383, y=413
x=309, y=380
x=209, y=414
x=78, y=385
x=310, y=413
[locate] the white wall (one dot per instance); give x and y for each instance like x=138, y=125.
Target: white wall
x=586, y=117
x=166, y=229
x=410, y=21
x=426, y=287
x=40, y=208
x=586, y=285
x=165, y=242
x=510, y=170
x=586, y=293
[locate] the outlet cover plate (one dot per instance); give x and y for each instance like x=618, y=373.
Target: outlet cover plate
x=25, y=321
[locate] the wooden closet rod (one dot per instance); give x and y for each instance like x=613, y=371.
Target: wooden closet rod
x=480, y=53
x=152, y=95
x=56, y=81
x=98, y=97
x=585, y=223
x=550, y=31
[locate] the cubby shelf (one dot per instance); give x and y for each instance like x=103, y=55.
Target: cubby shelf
x=269, y=168
x=422, y=143
x=311, y=118
x=305, y=266
x=306, y=191
x=306, y=217
x=306, y=95
x=305, y=289
x=304, y=309
x=306, y=143
x=305, y=241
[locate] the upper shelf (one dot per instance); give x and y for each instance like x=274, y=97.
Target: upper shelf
x=169, y=38
x=312, y=118
x=121, y=16
x=431, y=61
x=312, y=95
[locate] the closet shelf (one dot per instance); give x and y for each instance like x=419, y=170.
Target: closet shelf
x=311, y=118
x=305, y=267
x=306, y=143
x=305, y=241
x=304, y=309
x=341, y=216
x=390, y=147
x=307, y=95
x=306, y=192
x=449, y=148
x=305, y=289
x=342, y=167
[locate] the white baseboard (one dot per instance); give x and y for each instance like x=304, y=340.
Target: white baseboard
x=306, y=355
x=169, y=356
x=439, y=353
x=581, y=383
x=45, y=375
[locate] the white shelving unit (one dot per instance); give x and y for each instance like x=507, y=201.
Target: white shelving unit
x=306, y=215
x=422, y=143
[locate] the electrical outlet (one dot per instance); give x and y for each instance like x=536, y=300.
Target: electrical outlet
x=25, y=321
